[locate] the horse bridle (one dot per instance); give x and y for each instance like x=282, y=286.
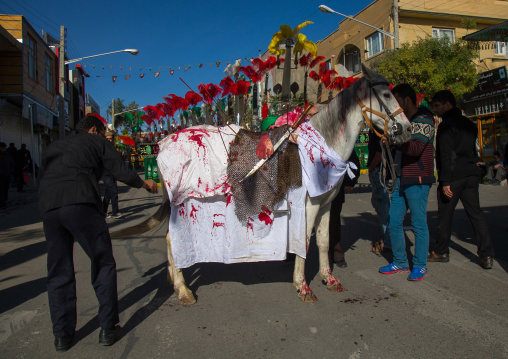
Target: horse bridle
x=396, y=127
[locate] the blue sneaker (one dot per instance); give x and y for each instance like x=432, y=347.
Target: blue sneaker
x=418, y=273
x=393, y=268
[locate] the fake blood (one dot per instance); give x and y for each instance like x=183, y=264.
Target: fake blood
x=265, y=216
x=218, y=224
x=193, y=212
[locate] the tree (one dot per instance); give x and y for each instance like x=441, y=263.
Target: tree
x=430, y=65
x=127, y=122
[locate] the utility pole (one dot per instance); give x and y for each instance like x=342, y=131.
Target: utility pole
x=395, y=24
x=113, y=113
x=61, y=83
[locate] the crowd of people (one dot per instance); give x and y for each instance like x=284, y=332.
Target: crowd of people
x=15, y=167
x=460, y=171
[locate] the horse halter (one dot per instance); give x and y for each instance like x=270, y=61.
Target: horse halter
x=396, y=127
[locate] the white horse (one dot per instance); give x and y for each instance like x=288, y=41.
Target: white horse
x=339, y=123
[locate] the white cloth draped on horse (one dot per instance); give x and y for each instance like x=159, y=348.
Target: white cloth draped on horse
x=203, y=226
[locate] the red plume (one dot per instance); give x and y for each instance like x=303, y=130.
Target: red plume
x=313, y=75
x=227, y=85
x=305, y=60
x=103, y=120
x=247, y=71
x=258, y=64
x=271, y=62
x=127, y=141
x=264, y=111
x=241, y=88
x=327, y=77
x=316, y=61
x=147, y=119
x=160, y=111
x=323, y=67
x=193, y=98
x=209, y=91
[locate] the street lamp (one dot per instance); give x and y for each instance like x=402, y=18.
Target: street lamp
x=325, y=8
x=131, y=51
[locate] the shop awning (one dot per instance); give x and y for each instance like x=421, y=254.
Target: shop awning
x=490, y=34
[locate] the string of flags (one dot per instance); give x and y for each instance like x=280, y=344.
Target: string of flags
x=157, y=73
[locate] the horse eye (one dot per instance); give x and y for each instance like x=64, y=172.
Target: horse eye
x=386, y=95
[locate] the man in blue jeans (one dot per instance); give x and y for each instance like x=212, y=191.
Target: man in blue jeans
x=415, y=176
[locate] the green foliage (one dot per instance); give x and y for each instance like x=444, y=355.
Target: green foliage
x=125, y=123
x=430, y=65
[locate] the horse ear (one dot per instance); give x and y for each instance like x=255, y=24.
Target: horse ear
x=368, y=73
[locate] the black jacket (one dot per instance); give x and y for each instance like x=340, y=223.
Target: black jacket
x=72, y=167
x=456, y=148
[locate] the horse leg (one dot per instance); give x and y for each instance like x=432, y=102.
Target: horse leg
x=304, y=292
x=175, y=276
x=323, y=243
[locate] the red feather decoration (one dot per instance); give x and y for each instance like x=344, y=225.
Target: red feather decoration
x=316, y=61
x=305, y=60
x=247, y=71
x=264, y=111
x=127, y=141
x=327, y=77
x=313, y=75
x=147, y=119
x=193, y=98
x=214, y=90
x=227, y=85
x=323, y=67
x=258, y=64
x=103, y=120
x=271, y=62
x=160, y=111
x=241, y=88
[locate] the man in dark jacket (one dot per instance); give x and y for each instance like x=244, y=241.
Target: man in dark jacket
x=459, y=178
x=414, y=179
x=71, y=209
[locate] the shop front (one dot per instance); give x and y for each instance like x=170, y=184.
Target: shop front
x=487, y=106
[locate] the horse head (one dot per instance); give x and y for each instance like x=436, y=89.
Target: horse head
x=380, y=108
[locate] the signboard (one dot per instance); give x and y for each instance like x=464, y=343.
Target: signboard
x=492, y=79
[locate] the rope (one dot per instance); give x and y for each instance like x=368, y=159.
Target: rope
x=387, y=165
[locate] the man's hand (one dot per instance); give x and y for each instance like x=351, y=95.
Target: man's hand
x=150, y=186
x=447, y=191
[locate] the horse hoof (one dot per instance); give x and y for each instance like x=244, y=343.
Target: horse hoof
x=336, y=288
x=186, y=300
x=308, y=297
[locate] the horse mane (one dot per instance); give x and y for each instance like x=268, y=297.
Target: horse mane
x=330, y=122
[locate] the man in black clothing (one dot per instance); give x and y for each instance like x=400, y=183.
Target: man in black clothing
x=335, y=247
x=6, y=169
x=459, y=178
x=111, y=192
x=71, y=209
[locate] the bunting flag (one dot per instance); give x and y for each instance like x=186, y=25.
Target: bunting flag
x=217, y=63
x=141, y=75
x=114, y=78
x=185, y=69
x=172, y=72
x=157, y=74
x=127, y=77
x=200, y=66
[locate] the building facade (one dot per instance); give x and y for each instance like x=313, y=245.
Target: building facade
x=28, y=101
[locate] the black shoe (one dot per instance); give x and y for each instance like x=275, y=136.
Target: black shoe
x=486, y=262
x=341, y=264
x=434, y=257
x=109, y=336
x=63, y=344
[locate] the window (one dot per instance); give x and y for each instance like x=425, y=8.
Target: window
x=329, y=64
x=500, y=48
x=32, y=60
x=441, y=33
x=375, y=44
x=49, y=73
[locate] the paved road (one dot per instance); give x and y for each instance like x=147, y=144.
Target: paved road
x=251, y=310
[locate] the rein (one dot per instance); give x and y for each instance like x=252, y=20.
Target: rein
x=386, y=155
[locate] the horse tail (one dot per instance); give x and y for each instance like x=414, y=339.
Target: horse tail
x=154, y=221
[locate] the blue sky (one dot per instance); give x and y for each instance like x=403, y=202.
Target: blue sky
x=172, y=34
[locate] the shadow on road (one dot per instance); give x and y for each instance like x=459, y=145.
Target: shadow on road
x=19, y=294
x=157, y=282
x=22, y=255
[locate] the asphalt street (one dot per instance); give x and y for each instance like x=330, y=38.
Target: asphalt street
x=251, y=310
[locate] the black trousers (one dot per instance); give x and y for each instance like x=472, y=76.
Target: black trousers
x=84, y=224
x=4, y=189
x=110, y=195
x=334, y=228
x=466, y=190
